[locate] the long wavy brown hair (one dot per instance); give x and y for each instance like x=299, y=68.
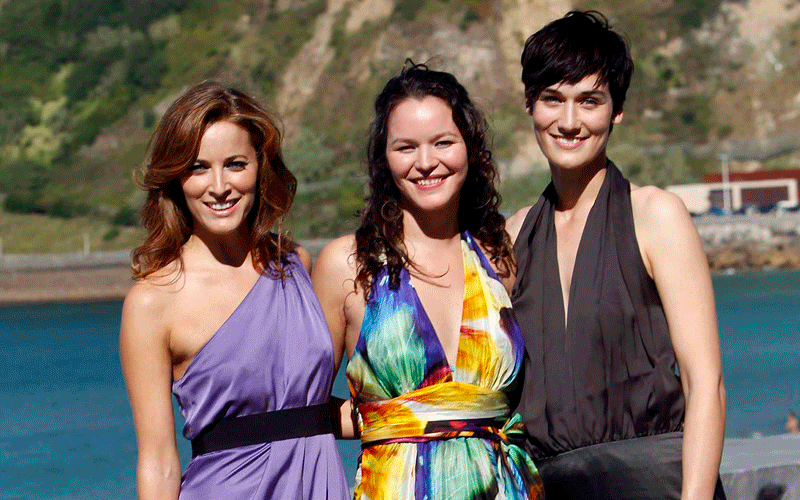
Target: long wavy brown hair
x=173, y=149
x=379, y=239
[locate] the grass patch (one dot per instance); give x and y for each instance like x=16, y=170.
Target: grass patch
x=503, y=123
x=30, y=234
x=327, y=213
x=522, y=191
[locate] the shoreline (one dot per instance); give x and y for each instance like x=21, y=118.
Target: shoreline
x=64, y=285
x=76, y=277
x=750, y=242
x=732, y=245
x=751, y=256
x=112, y=283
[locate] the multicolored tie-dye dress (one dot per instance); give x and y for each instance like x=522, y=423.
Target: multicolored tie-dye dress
x=429, y=430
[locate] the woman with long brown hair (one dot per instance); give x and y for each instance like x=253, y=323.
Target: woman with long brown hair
x=223, y=316
x=418, y=296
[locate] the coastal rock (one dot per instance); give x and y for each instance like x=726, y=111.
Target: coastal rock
x=775, y=258
x=723, y=258
x=761, y=241
x=750, y=256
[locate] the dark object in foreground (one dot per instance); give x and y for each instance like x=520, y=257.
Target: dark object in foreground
x=771, y=492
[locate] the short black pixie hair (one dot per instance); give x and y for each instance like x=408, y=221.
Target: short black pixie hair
x=573, y=47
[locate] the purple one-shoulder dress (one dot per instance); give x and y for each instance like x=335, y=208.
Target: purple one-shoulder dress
x=273, y=352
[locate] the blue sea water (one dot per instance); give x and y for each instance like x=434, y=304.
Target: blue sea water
x=759, y=322
x=66, y=430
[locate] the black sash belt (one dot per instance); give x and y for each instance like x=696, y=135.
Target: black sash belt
x=264, y=427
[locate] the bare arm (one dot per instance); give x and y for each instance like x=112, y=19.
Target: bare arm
x=513, y=226
x=514, y=223
x=333, y=277
x=674, y=255
x=304, y=256
x=147, y=368
x=347, y=425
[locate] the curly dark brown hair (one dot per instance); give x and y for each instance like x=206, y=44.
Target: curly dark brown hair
x=174, y=147
x=380, y=235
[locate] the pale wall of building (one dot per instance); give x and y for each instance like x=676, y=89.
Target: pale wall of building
x=697, y=197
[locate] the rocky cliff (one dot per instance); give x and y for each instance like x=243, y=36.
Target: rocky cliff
x=82, y=86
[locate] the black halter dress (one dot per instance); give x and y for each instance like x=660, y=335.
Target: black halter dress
x=602, y=398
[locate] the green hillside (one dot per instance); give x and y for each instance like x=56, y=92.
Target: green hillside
x=82, y=85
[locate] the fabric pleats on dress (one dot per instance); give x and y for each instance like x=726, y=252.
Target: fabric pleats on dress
x=609, y=373
x=602, y=397
x=273, y=352
x=430, y=430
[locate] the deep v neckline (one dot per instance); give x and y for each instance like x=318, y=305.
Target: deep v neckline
x=566, y=312
x=427, y=320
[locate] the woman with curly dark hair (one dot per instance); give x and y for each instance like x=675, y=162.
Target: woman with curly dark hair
x=223, y=316
x=419, y=298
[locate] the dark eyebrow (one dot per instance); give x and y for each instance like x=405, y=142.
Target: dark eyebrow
x=226, y=160
x=397, y=140
x=588, y=93
x=444, y=134
x=231, y=158
x=593, y=93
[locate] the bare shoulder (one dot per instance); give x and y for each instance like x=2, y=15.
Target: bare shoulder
x=334, y=281
x=506, y=276
x=664, y=229
x=654, y=207
x=150, y=299
x=304, y=256
x=154, y=292
x=514, y=223
x=145, y=295
x=337, y=258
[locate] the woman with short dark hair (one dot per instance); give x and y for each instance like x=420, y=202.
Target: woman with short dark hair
x=624, y=395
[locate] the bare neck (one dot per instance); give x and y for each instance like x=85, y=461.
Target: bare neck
x=433, y=231
x=231, y=250
x=578, y=188
x=434, y=224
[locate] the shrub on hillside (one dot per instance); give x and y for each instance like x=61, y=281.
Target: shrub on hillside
x=470, y=16
x=87, y=74
x=111, y=234
x=308, y=157
x=126, y=216
x=690, y=120
x=408, y=9
x=692, y=13
x=67, y=208
x=23, y=202
x=24, y=176
x=146, y=66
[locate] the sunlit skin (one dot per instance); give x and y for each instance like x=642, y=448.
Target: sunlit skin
x=572, y=123
x=426, y=155
x=219, y=187
x=171, y=314
x=428, y=160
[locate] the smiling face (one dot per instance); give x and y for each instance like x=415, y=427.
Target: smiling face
x=572, y=123
x=426, y=154
x=220, y=186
